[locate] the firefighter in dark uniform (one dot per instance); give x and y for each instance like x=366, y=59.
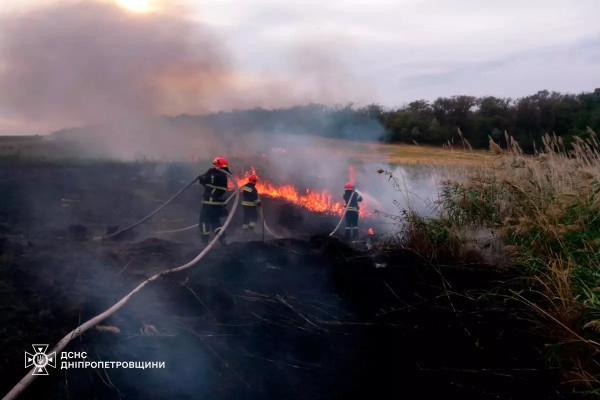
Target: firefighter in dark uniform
x=250, y=203
x=213, y=202
x=350, y=195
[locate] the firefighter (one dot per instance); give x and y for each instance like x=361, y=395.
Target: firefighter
x=213, y=202
x=350, y=195
x=250, y=202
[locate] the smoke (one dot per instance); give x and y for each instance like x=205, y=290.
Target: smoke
x=88, y=62
x=96, y=64
x=81, y=63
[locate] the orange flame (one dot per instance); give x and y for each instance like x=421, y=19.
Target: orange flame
x=311, y=200
x=370, y=231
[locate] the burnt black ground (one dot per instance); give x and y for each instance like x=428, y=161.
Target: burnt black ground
x=303, y=318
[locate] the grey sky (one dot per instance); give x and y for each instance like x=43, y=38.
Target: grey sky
x=408, y=49
x=281, y=53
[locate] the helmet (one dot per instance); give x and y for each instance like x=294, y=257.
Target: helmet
x=253, y=178
x=220, y=162
x=349, y=186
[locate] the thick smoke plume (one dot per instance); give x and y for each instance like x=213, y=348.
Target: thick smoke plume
x=114, y=72
x=88, y=62
x=85, y=62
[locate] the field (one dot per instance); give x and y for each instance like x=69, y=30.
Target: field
x=304, y=315
x=539, y=213
x=44, y=147
x=426, y=155
x=35, y=147
x=395, y=153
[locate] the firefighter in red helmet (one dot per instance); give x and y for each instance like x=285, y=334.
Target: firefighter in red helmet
x=250, y=202
x=213, y=202
x=352, y=197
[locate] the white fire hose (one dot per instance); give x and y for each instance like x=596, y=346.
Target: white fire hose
x=147, y=217
x=265, y=226
x=187, y=228
x=343, y=214
x=27, y=379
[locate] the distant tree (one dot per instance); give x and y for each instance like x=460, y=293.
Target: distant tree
x=526, y=119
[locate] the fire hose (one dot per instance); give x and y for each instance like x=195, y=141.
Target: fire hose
x=147, y=217
x=27, y=379
x=343, y=214
x=265, y=226
x=187, y=228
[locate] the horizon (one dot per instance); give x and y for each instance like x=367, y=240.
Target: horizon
x=272, y=109
x=139, y=58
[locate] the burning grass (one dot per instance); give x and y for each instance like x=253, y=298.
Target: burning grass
x=263, y=296
x=545, y=210
x=321, y=202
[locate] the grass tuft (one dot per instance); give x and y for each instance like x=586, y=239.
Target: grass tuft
x=545, y=210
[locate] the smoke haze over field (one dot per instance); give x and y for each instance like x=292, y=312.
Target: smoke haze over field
x=88, y=62
x=73, y=62
x=85, y=62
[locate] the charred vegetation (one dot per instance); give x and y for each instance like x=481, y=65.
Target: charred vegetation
x=303, y=317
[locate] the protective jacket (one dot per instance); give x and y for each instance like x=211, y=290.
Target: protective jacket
x=355, y=199
x=250, y=195
x=215, y=186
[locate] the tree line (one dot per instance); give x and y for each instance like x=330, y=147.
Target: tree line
x=526, y=119
x=437, y=122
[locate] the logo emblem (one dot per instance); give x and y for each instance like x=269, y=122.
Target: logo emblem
x=39, y=359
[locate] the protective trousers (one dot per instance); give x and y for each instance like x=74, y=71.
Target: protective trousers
x=250, y=218
x=351, y=224
x=210, y=220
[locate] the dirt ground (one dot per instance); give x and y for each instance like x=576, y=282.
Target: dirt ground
x=303, y=317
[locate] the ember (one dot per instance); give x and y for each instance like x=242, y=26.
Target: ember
x=311, y=200
x=370, y=231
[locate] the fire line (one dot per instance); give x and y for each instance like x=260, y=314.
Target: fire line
x=311, y=200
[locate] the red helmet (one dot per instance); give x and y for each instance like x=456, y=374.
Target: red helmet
x=253, y=179
x=349, y=186
x=220, y=162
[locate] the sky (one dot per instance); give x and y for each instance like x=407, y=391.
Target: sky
x=74, y=62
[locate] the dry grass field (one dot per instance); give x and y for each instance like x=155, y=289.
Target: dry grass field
x=396, y=153
x=544, y=210
x=44, y=147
